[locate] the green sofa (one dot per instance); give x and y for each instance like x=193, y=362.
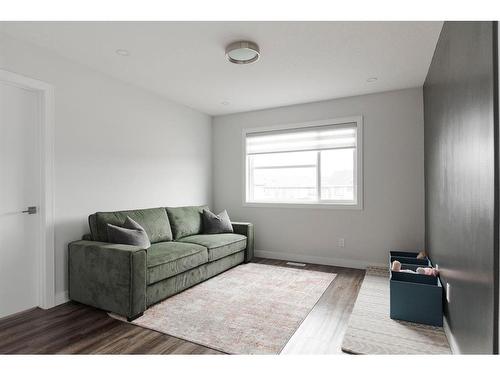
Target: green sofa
x=128, y=279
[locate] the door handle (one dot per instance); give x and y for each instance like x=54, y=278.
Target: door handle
x=30, y=211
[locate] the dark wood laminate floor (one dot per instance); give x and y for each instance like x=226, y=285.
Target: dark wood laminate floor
x=76, y=328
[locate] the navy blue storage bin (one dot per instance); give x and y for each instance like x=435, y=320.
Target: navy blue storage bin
x=413, y=297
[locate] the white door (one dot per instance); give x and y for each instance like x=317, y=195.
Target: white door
x=19, y=189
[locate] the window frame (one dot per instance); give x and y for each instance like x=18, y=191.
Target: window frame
x=358, y=166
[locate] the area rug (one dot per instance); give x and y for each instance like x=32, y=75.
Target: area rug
x=250, y=309
x=372, y=331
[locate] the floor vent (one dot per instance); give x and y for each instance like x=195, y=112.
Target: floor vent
x=296, y=264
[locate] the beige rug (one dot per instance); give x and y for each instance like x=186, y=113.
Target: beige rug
x=372, y=331
x=250, y=309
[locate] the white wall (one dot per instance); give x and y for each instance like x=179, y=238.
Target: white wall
x=116, y=146
x=393, y=214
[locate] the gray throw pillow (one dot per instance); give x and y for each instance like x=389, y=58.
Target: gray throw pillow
x=132, y=233
x=213, y=224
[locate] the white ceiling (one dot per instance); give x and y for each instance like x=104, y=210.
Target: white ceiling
x=300, y=61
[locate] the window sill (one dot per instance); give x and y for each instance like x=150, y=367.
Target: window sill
x=331, y=206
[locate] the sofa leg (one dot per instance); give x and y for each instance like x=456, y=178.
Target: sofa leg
x=130, y=318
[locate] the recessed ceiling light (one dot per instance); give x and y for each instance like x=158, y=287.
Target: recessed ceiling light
x=122, y=52
x=224, y=102
x=372, y=79
x=242, y=52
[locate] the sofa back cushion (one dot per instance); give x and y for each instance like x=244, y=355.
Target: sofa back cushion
x=186, y=221
x=154, y=221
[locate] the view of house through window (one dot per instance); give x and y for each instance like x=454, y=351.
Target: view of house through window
x=304, y=165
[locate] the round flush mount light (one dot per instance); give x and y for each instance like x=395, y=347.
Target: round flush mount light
x=122, y=52
x=372, y=79
x=242, y=52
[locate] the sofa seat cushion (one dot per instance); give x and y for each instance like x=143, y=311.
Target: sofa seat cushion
x=167, y=259
x=218, y=245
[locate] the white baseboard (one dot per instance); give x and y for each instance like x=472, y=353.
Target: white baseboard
x=450, y=337
x=351, y=263
x=61, y=297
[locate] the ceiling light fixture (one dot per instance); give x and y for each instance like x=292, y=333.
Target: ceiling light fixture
x=122, y=52
x=372, y=79
x=242, y=52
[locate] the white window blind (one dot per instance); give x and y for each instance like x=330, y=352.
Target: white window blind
x=316, y=138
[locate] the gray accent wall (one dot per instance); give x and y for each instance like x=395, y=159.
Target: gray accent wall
x=460, y=168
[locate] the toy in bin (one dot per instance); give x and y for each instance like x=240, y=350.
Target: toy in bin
x=429, y=271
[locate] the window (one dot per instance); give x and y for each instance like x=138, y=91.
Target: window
x=306, y=164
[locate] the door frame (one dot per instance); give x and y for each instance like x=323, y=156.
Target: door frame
x=45, y=139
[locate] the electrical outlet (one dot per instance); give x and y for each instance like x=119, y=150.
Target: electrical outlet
x=448, y=289
x=341, y=242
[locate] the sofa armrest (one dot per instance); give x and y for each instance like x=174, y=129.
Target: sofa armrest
x=247, y=230
x=108, y=276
